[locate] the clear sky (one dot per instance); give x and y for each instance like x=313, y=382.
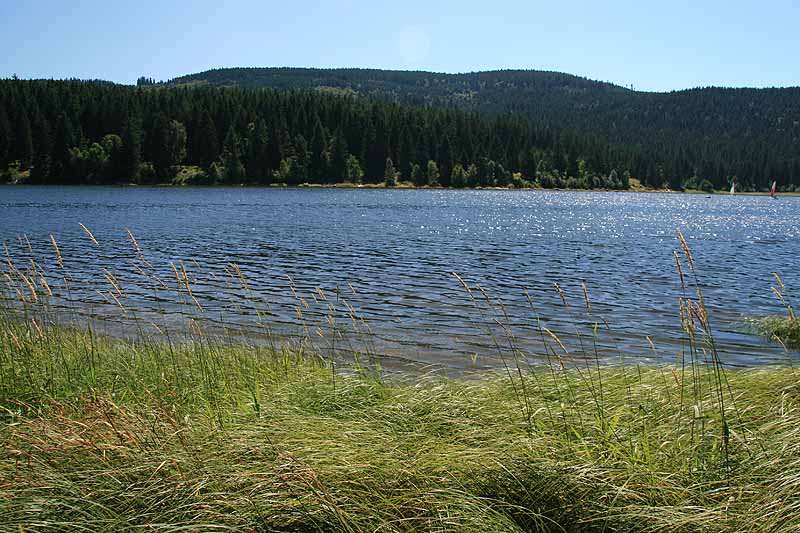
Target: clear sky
x=664, y=45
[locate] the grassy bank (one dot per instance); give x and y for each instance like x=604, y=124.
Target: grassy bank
x=108, y=435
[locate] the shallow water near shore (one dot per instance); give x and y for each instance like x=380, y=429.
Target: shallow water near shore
x=390, y=254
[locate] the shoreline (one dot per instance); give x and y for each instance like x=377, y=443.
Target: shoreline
x=402, y=186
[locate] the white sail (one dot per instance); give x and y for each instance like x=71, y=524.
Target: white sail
x=733, y=187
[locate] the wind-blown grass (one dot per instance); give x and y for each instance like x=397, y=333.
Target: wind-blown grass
x=109, y=435
x=211, y=432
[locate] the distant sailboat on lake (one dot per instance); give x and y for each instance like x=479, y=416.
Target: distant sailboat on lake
x=733, y=187
x=772, y=189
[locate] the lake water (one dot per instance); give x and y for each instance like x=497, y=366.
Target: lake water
x=390, y=254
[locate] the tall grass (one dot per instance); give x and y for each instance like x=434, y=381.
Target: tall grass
x=784, y=329
x=217, y=429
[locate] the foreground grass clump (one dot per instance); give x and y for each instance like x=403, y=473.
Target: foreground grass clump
x=110, y=435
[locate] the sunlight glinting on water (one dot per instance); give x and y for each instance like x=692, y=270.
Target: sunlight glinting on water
x=390, y=255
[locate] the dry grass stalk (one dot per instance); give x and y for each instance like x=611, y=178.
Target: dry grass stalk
x=30, y=286
x=686, y=250
x=175, y=271
x=586, y=298
x=650, y=341
x=37, y=328
x=777, y=293
x=779, y=281
x=89, y=233
x=680, y=269
x=561, y=294
x=58, y=252
x=463, y=283
x=116, y=301
x=112, y=281
x=189, y=287
x=45, y=285
x=555, y=338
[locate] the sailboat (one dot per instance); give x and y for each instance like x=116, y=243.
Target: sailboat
x=733, y=187
x=772, y=189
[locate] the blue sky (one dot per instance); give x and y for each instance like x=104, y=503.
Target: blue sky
x=669, y=45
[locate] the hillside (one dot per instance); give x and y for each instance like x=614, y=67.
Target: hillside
x=57, y=132
x=752, y=135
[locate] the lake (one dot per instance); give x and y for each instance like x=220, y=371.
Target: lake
x=387, y=257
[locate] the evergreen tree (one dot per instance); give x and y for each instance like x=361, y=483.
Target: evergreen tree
x=319, y=159
x=389, y=173
x=432, y=174
x=231, y=157
x=24, y=141
x=472, y=176
x=302, y=160
x=374, y=152
x=417, y=175
x=131, y=152
x=353, y=170
x=339, y=156
x=169, y=146
x=279, y=146
x=43, y=148
x=65, y=138
x=112, y=146
x=445, y=162
x=531, y=164
x=458, y=178
x=205, y=143
x=6, y=140
x=175, y=142
x=257, y=167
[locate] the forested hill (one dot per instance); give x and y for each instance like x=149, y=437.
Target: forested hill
x=55, y=132
x=318, y=131
x=751, y=135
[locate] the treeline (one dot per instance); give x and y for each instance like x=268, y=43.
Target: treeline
x=751, y=136
x=67, y=132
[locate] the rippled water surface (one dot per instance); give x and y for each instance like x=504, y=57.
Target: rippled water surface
x=390, y=254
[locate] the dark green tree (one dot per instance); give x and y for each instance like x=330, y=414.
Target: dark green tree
x=131, y=151
x=6, y=140
x=389, y=173
x=418, y=177
x=231, y=158
x=257, y=165
x=65, y=138
x=354, y=173
x=458, y=178
x=204, y=141
x=339, y=156
x=432, y=174
x=24, y=141
x=319, y=158
x=43, y=149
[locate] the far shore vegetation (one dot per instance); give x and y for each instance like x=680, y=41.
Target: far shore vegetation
x=73, y=132
x=203, y=430
x=193, y=176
